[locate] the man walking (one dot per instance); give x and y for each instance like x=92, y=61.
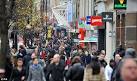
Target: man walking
x=55, y=69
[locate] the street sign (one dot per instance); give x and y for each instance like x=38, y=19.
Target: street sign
x=120, y=4
x=96, y=21
x=107, y=16
x=88, y=19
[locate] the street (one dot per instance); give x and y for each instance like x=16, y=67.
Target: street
x=68, y=40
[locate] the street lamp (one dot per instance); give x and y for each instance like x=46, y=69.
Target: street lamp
x=28, y=27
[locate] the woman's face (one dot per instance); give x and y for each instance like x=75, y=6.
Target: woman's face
x=35, y=61
x=117, y=57
x=36, y=51
x=20, y=63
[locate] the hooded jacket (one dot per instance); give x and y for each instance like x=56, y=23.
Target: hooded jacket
x=130, y=53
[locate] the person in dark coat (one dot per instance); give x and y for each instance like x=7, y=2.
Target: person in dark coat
x=102, y=59
x=76, y=71
x=8, y=67
x=55, y=69
x=26, y=59
x=82, y=56
x=88, y=57
x=22, y=52
x=19, y=72
x=130, y=53
x=49, y=59
x=116, y=71
x=68, y=50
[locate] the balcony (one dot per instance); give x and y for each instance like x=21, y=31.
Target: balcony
x=98, y=1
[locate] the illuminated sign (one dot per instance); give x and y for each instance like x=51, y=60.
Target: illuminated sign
x=120, y=4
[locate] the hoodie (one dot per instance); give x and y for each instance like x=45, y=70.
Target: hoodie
x=130, y=53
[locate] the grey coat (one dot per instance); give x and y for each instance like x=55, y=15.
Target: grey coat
x=36, y=73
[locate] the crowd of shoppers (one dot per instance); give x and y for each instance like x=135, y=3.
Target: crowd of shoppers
x=63, y=60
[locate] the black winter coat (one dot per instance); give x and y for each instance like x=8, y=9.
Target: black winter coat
x=103, y=63
x=56, y=72
x=75, y=73
x=22, y=53
x=116, y=73
x=17, y=75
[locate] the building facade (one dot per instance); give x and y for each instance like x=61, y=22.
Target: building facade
x=123, y=29
x=83, y=9
x=131, y=24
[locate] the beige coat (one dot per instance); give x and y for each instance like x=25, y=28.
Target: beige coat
x=89, y=77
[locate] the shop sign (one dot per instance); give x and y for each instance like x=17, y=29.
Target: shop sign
x=120, y=4
x=96, y=21
x=88, y=20
x=107, y=16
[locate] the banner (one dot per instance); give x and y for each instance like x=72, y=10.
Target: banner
x=69, y=11
x=96, y=21
x=49, y=33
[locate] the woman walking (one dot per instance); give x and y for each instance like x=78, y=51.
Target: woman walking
x=18, y=73
x=93, y=71
x=36, y=72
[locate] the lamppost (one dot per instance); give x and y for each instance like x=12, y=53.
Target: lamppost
x=15, y=32
x=46, y=29
x=29, y=39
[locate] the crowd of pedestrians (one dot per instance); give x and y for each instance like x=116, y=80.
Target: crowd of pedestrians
x=62, y=60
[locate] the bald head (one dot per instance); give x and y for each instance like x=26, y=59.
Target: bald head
x=56, y=58
x=129, y=70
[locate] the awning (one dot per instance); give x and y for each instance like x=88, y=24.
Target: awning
x=91, y=39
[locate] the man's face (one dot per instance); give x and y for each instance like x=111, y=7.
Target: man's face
x=101, y=57
x=129, y=70
x=56, y=59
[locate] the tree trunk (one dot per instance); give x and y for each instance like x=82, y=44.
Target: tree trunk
x=3, y=34
x=4, y=45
